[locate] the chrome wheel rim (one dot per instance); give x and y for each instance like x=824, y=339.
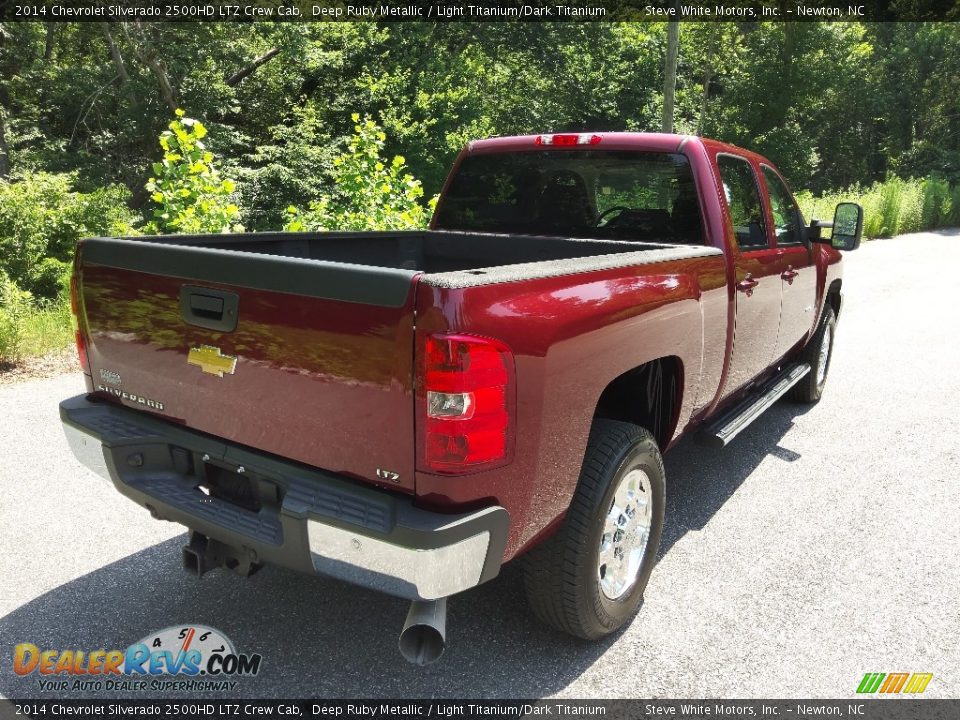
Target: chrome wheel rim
x=626, y=532
x=824, y=355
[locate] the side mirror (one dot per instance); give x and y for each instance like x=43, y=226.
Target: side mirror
x=847, y=226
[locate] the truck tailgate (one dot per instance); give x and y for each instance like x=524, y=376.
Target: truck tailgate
x=318, y=368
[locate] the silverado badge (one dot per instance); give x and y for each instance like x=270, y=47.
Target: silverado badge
x=212, y=361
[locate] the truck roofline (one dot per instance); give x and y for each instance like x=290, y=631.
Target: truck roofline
x=654, y=142
x=658, y=142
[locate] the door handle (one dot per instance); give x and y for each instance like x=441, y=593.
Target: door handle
x=789, y=274
x=747, y=285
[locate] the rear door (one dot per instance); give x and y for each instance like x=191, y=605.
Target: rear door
x=304, y=359
x=757, y=274
x=798, y=273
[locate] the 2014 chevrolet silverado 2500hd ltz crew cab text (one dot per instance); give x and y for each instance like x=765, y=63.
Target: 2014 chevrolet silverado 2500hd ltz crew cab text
x=408, y=411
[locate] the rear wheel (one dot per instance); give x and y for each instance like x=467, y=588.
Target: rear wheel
x=588, y=579
x=817, y=353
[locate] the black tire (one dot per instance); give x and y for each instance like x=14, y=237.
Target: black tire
x=810, y=389
x=561, y=575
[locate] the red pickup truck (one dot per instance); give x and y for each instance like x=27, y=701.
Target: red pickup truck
x=408, y=411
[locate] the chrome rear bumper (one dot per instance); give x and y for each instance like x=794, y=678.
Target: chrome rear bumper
x=317, y=522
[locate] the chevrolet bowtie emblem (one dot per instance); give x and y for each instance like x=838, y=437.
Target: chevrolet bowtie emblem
x=212, y=361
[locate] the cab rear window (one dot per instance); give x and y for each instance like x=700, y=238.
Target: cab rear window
x=620, y=195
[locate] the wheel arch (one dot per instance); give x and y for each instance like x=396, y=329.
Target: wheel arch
x=835, y=296
x=649, y=395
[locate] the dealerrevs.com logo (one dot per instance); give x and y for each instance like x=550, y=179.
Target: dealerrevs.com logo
x=192, y=657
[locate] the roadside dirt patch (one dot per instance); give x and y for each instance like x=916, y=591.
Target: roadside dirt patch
x=58, y=363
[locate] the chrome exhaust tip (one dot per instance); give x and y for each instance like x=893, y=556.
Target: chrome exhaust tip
x=424, y=635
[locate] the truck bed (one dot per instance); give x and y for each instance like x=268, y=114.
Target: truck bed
x=481, y=257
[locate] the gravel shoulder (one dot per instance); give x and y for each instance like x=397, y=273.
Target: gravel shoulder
x=47, y=366
x=821, y=545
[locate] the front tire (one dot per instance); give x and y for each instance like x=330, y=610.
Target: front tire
x=588, y=579
x=818, y=353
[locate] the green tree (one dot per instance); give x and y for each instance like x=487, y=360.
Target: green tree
x=41, y=219
x=371, y=192
x=188, y=190
x=670, y=74
x=832, y=103
x=292, y=162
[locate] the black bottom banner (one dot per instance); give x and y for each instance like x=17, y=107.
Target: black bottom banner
x=847, y=709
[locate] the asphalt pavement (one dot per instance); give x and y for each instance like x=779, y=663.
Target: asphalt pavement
x=824, y=543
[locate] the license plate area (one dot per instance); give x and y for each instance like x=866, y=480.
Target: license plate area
x=239, y=487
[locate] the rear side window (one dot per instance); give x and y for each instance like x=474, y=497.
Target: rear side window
x=743, y=199
x=609, y=194
x=786, y=214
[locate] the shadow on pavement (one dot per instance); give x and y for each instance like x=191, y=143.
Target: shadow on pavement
x=322, y=638
x=318, y=637
x=700, y=480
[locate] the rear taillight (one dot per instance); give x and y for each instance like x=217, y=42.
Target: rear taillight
x=82, y=352
x=80, y=338
x=466, y=403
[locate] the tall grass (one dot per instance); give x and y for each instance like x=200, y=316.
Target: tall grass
x=29, y=328
x=48, y=329
x=892, y=207
x=37, y=332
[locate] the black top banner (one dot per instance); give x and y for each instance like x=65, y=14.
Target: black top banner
x=476, y=11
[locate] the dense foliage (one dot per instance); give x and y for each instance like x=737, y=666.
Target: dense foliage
x=41, y=219
x=893, y=207
x=833, y=104
x=371, y=193
x=14, y=310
